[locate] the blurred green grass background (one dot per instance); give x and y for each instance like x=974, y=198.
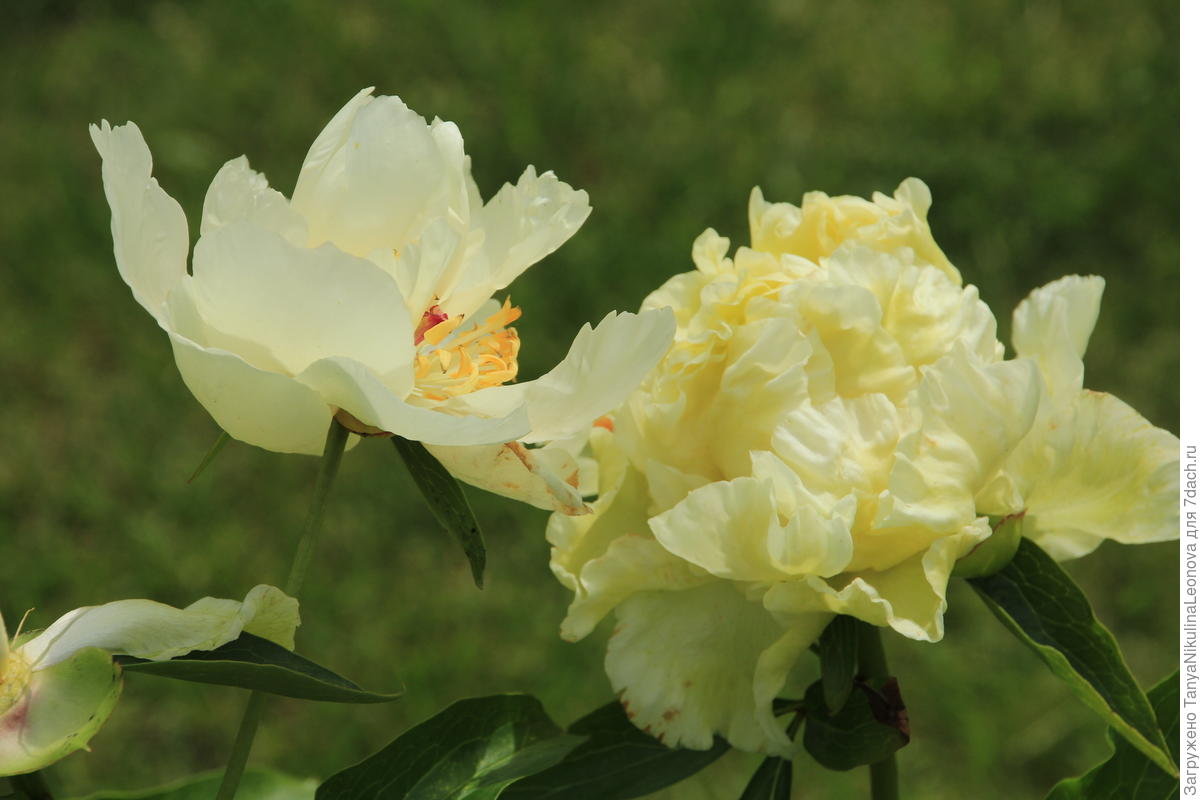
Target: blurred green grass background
x=1048, y=132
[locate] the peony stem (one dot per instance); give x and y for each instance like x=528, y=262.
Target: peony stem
x=335, y=445
x=872, y=663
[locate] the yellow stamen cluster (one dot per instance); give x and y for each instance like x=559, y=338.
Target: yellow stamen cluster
x=15, y=674
x=483, y=356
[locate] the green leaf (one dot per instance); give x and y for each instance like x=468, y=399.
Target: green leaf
x=217, y=447
x=1128, y=774
x=871, y=726
x=257, y=784
x=995, y=552
x=255, y=663
x=446, y=499
x=771, y=781
x=839, y=660
x=469, y=751
x=1046, y=610
x=616, y=762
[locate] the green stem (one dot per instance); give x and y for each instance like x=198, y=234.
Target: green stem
x=31, y=785
x=335, y=445
x=872, y=663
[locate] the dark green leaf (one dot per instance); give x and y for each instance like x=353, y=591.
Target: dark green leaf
x=1128, y=774
x=839, y=661
x=255, y=663
x=616, y=762
x=257, y=784
x=1046, y=610
x=771, y=781
x=446, y=499
x=871, y=726
x=469, y=751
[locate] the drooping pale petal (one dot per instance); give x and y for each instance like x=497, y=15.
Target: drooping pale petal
x=544, y=478
x=263, y=408
x=150, y=630
x=1052, y=326
x=347, y=384
x=521, y=224
x=149, y=230
x=732, y=530
x=378, y=174
x=689, y=664
x=59, y=711
x=600, y=370
x=302, y=304
x=239, y=194
x=1097, y=470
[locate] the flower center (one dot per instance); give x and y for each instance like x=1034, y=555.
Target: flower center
x=452, y=361
x=15, y=674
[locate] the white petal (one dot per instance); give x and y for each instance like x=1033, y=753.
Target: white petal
x=378, y=175
x=1098, y=470
x=1052, y=326
x=256, y=406
x=704, y=661
x=345, y=383
x=602, y=367
x=302, y=304
x=545, y=478
x=238, y=193
x=522, y=224
x=150, y=236
x=146, y=629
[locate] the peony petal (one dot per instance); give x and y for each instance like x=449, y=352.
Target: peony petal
x=256, y=406
x=545, y=478
x=731, y=529
x=600, y=370
x=347, y=384
x=146, y=629
x=521, y=224
x=704, y=661
x=378, y=174
x=1097, y=470
x=239, y=194
x=60, y=710
x=302, y=304
x=149, y=230
x=1052, y=326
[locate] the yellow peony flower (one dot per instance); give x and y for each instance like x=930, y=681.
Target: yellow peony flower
x=366, y=295
x=811, y=445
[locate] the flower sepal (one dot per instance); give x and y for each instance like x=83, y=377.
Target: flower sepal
x=995, y=552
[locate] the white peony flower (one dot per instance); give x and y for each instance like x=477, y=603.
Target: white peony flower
x=811, y=445
x=367, y=296
x=57, y=687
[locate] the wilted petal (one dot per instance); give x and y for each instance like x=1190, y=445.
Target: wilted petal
x=1097, y=470
x=154, y=631
x=545, y=478
x=690, y=664
x=150, y=235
